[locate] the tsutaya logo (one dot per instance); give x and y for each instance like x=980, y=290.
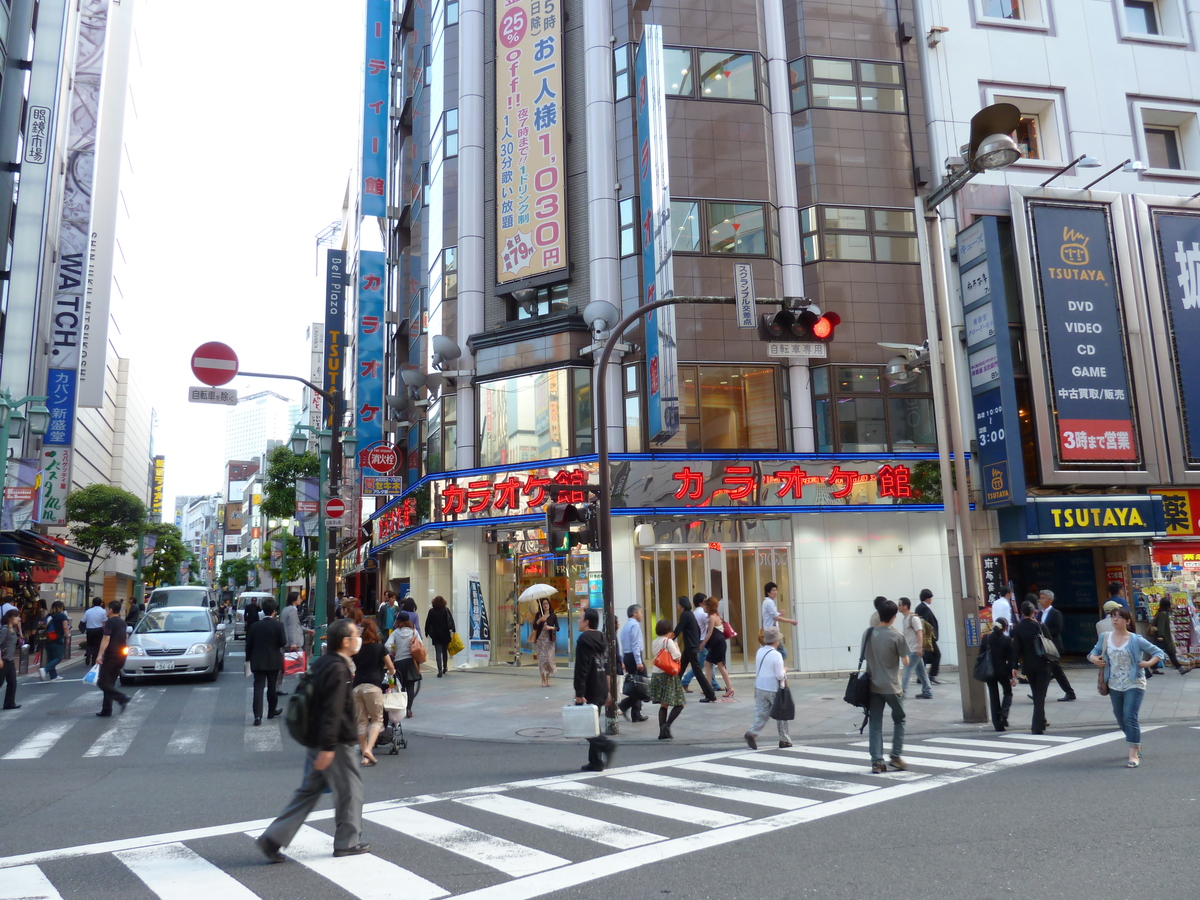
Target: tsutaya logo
x=1074, y=252
x=1189, y=274
x=1097, y=517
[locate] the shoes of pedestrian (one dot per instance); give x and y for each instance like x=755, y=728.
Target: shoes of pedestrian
x=783, y=745
x=14, y=706
x=933, y=680
x=440, y=674
x=1183, y=671
x=41, y=674
x=1066, y=698
x=269, y=849
x=712, y=699
x=878, y=767
x=356, y=850
x=591, y=768
x=641, y=718
x=924, y=696
x=102, y=714
x=897, y=763
x=258, y=720
x=281, y=693
x=751, y=740
x=275, y=713
x=664, y=734
x=623, y=711
x=124, y=701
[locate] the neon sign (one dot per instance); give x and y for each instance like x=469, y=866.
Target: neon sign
x=741, y=482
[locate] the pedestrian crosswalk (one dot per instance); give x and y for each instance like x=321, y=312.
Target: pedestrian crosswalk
x=525, y=839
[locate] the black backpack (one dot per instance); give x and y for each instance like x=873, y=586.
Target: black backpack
x=302, y=711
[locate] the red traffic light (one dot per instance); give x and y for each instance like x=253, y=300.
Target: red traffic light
x=823, y=328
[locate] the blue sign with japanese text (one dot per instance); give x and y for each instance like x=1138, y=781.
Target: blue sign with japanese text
x=369, y=331
x=377, y=77
x=60, y=400
x=1178, y=237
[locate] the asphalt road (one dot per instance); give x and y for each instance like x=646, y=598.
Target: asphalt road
x=448, y=817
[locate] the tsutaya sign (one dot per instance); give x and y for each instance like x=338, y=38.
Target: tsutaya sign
x=651, y=486
x=1101, y=516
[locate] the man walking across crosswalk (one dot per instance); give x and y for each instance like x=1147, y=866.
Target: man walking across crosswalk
x=333, y=762
x=111, y=657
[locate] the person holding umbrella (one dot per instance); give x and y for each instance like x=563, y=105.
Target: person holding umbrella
x=544, y=631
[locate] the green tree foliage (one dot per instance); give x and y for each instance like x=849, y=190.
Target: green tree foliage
x=169, y=552
x=104, y=521
x=237, y=569
x=299, y=564
x=279, y=484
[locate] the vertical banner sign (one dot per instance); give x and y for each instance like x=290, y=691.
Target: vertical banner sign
x=308, y=507
x=335, y=324
x=1090, y=396
x=531, y=185
x=994, y=580
x=377, y=76
x=1177, y=236
x=148, y=545
x=368, y=417
x=986, y=297
x=22, y=494
x=156, y=497
x=316, y=374
x=658, y=280
x=75, y=226
x=276, y=553
x=55, y=465
x=60, y=400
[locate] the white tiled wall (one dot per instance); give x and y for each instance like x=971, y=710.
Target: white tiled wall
x=843, y=561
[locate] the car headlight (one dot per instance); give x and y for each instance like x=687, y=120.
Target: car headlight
x=199, y=648
x=134, y=650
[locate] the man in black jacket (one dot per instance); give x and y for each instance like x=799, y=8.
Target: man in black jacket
x=933, y=658
x=688, y=630
x=591, y=684
x=265, y=640
x=1053, y=620
x=332, y=764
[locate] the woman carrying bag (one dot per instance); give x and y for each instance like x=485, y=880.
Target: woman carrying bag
x=1119, y=654
x=999, y=648
x=439, y=628
x=1160, y=633
x=665, y=687
x=399, y=645
x=770, y=678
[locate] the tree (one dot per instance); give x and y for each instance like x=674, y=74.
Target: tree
x=236, y=569
x=104, y=521
x=169, y=552
x=279, y=484
x=299, y=563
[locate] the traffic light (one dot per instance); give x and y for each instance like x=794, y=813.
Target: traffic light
x=824, y=327
x=562, y=517
x=775, y=326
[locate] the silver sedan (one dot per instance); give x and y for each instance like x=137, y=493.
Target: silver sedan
x=175, y=640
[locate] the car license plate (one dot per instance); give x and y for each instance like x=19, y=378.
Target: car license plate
x=164, y=666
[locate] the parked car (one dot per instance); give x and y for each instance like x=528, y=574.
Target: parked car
x=175, y=640
x=239, y=609
x=182, y=595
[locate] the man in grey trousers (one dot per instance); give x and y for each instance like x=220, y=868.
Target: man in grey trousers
x=333, y=760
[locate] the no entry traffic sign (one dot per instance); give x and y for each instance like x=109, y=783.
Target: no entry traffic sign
x=335, y=508
x=215, y=363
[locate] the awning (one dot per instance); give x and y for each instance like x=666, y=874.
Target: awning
x=37, y=548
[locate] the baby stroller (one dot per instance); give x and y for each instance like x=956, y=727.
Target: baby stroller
x=395, y=704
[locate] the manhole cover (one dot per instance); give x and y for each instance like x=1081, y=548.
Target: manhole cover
x=74, y=711
x=540, y=732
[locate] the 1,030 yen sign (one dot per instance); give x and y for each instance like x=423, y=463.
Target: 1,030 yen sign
x=215, y=363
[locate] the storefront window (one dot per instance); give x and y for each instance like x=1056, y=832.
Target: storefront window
x=856, y=409
x=526, y=418
x=726, y=408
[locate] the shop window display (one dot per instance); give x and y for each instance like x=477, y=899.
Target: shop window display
x=858, y=410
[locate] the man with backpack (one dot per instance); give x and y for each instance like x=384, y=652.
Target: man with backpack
x=321, y=716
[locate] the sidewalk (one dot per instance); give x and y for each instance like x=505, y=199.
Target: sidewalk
x=509, y=704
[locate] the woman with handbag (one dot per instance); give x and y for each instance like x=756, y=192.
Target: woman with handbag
x=1160, y=633
x=665, y=687
x=1000, y=652
x=770, y=676
x=1119, y=654
x=1027, y=642
x=439, y=628
x=369, y=664
x=545, y=633
x=399, y=645
x=716, y=645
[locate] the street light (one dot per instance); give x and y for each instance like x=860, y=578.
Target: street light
x=991, y=147
x=13, y=418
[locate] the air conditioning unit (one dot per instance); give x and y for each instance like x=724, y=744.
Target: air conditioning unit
x=433, y=550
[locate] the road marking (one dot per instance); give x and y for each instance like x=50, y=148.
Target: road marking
x=800, y=781
x=998, y=745
x=264, y=738
x=174, y=872
x=367, y=877
x=1040, y=738
x=512, y=859
x=191, y=735
x=948, y=751
x=559, y=820
x=822, y=765
x=119, y=737
x=27, y=703
x=859, y=755
x=653, y=806
x=719, y=791
x=27, y=883
x=37, y=744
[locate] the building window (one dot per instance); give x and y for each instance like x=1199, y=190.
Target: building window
x=720, y=227
x=450, y=118
x=722, y=74
x=858, y=234
x=1020, y=13
x=534, y=302
x=537, y=416
x=1162, y=148
x=623, y=71
x=1169, y=139
x=450, y=273
x=451, y=12
x=846, y=84
x=858, y=411
x=1158, y=21
x=677, y=64
x=633, y=409
x=1040, y=134
x=629, y=231
x=1141, y=17
x=441, y=435
x=726, y=408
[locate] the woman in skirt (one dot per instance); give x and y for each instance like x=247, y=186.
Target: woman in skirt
x=666, y=690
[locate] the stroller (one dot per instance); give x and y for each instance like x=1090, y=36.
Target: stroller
x=395, y=704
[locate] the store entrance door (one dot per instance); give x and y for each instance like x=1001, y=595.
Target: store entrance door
x=733, y=573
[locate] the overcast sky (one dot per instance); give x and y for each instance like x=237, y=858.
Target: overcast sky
x=246, y=129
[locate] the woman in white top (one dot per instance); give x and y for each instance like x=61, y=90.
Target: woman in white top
x=399, y=645
x=665, y=689
x=1120, y=655
x=771, y=675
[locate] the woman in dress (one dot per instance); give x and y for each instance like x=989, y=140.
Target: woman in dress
x=1160, y=633
x=370, y=662
x=439, y=628
x=1119, y=653
x=545, y=631
x=714, y=641
x=666, y=690
x=400, y=647
x=1004, y=663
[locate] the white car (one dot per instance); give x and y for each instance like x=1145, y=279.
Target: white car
x=239, y=609
x=175, y=640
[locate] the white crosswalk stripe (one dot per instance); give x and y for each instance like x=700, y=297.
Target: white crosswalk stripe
x=947, y=751
x=27, y=883
x=571, y=823
x=175, y=872
x=810, y=782
x=718, y=791
x=37, y=744
x=985, y=745
x=1041, y=738
x=191, y=735
x=119, y=737
x=822, y=765
x=859, y=755
x=651, y=806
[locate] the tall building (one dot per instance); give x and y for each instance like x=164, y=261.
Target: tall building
x=545, y=157
x=257, y=419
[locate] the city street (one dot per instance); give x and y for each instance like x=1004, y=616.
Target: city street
x=162, y=801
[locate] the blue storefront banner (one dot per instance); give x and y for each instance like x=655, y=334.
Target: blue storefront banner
x=658, y=282
x=1083, y=340
x=1098, y=516
x=369, y=331
x=60, y=400
x=1178, y=236
x=377, y=77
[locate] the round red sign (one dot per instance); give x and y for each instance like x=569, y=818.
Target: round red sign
x=335, y=508
x=381, y=459
x=215, y=363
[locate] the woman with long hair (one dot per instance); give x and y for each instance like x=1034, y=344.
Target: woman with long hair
x=439, y=628
x=1120, y=655
x=370, y=662
x=714, y=641
x=545, y=632
x=1004, y=663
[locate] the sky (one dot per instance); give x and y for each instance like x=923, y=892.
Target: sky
x=241, y=134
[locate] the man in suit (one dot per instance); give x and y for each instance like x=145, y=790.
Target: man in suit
x=1033, y=665
x=689, y=630
x=933, y=658
x=1053, y=620
x=265, y=640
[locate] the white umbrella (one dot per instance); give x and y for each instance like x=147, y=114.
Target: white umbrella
x=537, y=592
